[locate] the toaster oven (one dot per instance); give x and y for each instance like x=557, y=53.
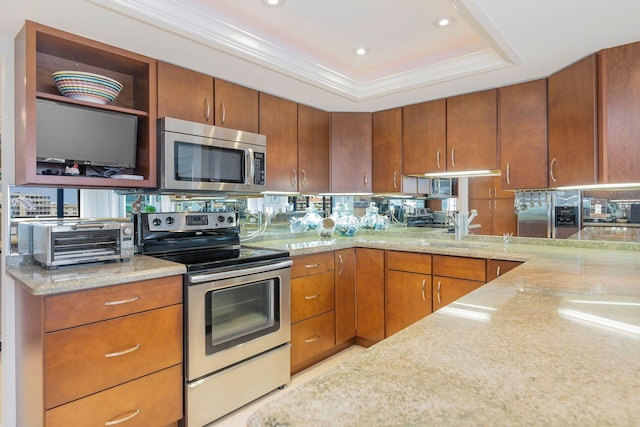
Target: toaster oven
x=66, y=243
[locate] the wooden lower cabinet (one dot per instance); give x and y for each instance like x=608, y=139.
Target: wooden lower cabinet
x=369, y=296
x=497, y=267
x=312, y=337
x=407, y=289
x=448, y=289
x=152, y=400
x=345, y=295
x=454, y=277
x=311, y=295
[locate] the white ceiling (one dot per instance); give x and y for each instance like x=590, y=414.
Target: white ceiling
x=303, y=49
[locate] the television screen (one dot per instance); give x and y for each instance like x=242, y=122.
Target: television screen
x=75, y=134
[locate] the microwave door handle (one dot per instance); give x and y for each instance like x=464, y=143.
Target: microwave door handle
x=252, y=168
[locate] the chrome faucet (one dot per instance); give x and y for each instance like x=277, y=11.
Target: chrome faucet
x=461, y=221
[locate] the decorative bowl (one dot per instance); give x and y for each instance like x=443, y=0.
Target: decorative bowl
x=87, y=86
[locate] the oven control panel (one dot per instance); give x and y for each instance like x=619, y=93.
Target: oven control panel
x=174, y=221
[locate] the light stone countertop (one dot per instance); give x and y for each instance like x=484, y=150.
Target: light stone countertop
x=41, y=281
x=555, y=342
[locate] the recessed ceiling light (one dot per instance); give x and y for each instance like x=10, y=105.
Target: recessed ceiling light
x=274, y=3
x=360, y=51
x=445, y=21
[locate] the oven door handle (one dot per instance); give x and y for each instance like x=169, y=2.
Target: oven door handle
x=210, y=277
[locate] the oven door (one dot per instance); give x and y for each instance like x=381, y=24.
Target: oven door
x=234, y=315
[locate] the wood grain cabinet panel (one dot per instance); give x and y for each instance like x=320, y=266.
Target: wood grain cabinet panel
x=184, y=94
x=472, y=131
x=522, y=135
x=87, y=359
x=279, y=122
x=312, y=295
x=619, y=123
x=307, y=265
x=497, y=267
x=424, y=138
x=351, y=152
x=313, y=149
x=448, y=289
x=408, y=299
x=572, y=109
x=153, y=400
x=387, y=151
x=459, y=267
x=236, y=107
x=370, y=294
x=345, y=295
x=409, y=261
x=311, y=337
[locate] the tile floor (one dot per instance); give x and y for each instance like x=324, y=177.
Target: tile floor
x=239, y=417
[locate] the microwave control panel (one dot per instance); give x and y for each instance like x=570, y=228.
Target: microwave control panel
x=260, y=168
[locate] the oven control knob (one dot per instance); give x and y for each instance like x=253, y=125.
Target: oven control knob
x=231, y=220
x=170, y=220
x=221, y=218
x=126, y=231
x=157, y=221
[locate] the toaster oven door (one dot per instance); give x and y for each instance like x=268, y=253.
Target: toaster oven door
x=77, y=246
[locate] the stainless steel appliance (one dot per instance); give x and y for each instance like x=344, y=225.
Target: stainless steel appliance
x=550, y=214
x=237, y=310
x=443, y=188
x=199, y=157
x=421, y=217
x=64, y=243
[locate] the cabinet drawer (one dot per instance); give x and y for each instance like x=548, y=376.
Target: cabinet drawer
x=79, y=308
x=153, y=400
x=87, y=359
x=306, y=265
x=446, y=290
x=497, y=267
x=459, y=267
x=312, y=337
x=312, y=295
x=409, y=261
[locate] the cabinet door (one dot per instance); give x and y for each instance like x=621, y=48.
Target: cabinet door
x=448, y=289
x=313, y=150
x=311, y=295
x=504, y=218
x=424, y=128
x=345, y=290
x=370, y=294
x=572, y=124
x=481, y=187
x=236, y=107
x=484, y=218
x=408, y=299
x=351, y=152
x=619, y=77
x=311, y=337
x=184, y=94
x=387, y=151
x=522, y=133
x=472, y=131
x=497, y=267
x=279, y=122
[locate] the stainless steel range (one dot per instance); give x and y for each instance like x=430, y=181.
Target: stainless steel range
x=237, y=309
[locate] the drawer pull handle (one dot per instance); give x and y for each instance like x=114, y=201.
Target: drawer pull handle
x=498, y=272
x=313, y=338
x=438, y=292
x=123, y=352
x=311, y=296
x=341, y=264
x=124, y=301
x=424, y=283
x=123, y=419
x=312, y=265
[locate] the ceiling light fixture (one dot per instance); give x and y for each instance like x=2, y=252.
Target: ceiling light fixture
x=360, y=51
x=445, y=21
x=274, y=3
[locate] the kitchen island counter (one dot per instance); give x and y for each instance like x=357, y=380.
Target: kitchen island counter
x=552, y=342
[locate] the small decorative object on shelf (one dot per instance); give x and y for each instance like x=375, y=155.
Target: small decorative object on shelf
x=347, y=224
x=87, y=86
x=326, y=227
x=311, y=219
x=372, y=220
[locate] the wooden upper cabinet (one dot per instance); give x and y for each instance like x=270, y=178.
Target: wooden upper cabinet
x=41, y=51
x=424, y=138
x=313, y=150
x=184, y=94
x=522, y=134
x=351, y=152
x=279, y=122
x=487, y=187
x=572, y=124
x=236, y=107
x=472, y=131
x=619, y=130
x=387, y=151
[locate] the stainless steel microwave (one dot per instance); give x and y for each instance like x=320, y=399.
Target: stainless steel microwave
x=199, y=157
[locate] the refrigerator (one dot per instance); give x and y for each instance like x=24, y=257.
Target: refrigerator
x=550, y=214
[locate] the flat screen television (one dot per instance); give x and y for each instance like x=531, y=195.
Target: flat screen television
x=70, y=134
